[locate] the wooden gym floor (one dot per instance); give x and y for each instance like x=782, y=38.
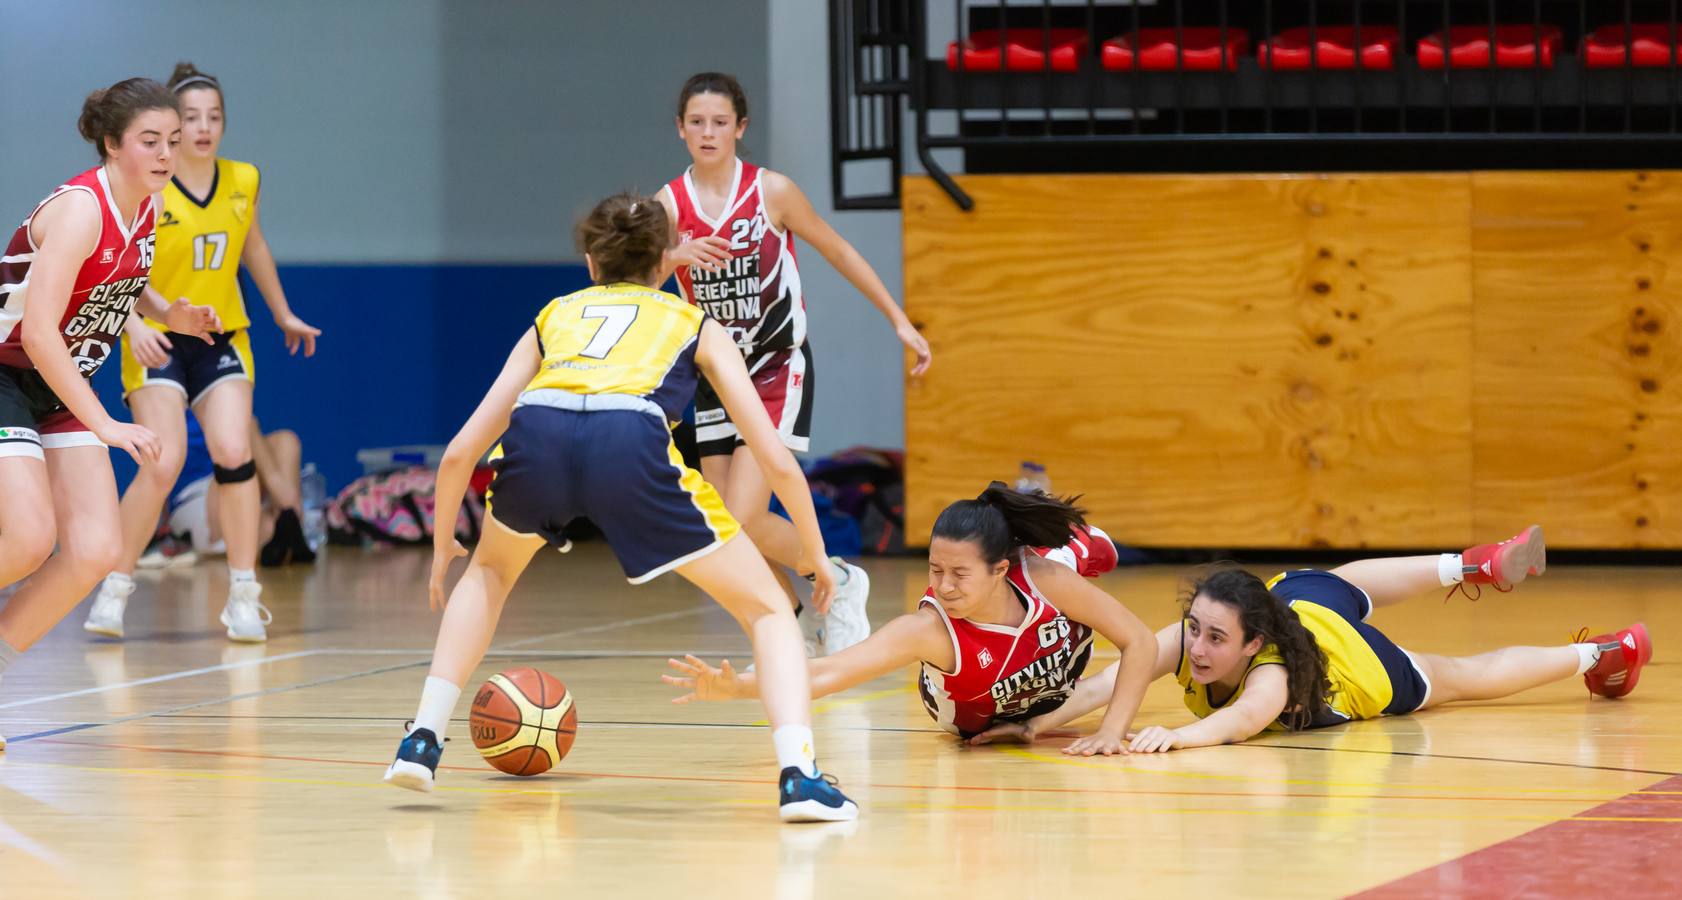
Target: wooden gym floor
x=176, y=764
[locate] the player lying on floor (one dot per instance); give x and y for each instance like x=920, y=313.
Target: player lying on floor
x=1296, y=652
x=1002, y=634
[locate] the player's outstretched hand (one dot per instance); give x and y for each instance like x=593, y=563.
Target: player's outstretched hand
x=136, y=440
x=1096, y=744
x=703, y=681
x=823, y=581
x=916, y=343
x=150, y=346
x=436, y=598
x=710, y=252
x=1005, y=733
x=298, y=332
x=183, y=317
x=1154, y=739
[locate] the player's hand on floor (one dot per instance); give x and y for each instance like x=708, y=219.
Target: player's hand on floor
x=441, y=559
x=710, y=252
x=1154, y=739
x=201, y=322
x=702, y=680
x=298, y=332
x=916, y=343
x=1005, y=733
x=1098, y=744
x=151, y=347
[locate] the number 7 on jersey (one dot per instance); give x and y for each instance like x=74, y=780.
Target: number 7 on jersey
x=615, y=319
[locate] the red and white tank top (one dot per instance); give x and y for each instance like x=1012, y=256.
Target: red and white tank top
x=106, y=287
x=1004, y=672
x=756, y=296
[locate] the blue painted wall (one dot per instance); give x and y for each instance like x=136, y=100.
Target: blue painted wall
x=406, y=353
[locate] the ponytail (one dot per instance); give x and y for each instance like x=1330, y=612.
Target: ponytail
x=1003, y=519
x=1261, y=614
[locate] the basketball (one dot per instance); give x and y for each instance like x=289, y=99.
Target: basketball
x=523, y=721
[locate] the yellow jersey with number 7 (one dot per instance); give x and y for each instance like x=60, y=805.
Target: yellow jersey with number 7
x=201, y=239
x=620, y=339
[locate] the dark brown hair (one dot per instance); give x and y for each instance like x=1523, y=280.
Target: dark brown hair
x=626, y=235
x=1003, y=519
x=187, y=77
x=1261, y=614
x=714, y=83
x=107, y=112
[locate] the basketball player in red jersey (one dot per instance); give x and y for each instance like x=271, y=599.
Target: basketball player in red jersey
x=1002, y=634
x=736, y=225
x=69, y=279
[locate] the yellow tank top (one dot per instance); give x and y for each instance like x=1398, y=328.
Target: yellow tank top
x=1360, y=688
x=620, y=339
x=200, y=243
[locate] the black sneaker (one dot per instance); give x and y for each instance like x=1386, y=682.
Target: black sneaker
x=288, y=544
x=806, y=798
x=417, y=760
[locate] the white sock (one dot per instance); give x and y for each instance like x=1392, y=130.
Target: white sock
x=1587, y=656
x=235, y=576
x=438, y=700
x=1449, y=569
x=120, y=580
x=794, y=748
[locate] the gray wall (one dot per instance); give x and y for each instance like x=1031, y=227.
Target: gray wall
x=391, y=130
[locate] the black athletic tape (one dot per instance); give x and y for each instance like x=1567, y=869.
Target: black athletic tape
x=235, y=475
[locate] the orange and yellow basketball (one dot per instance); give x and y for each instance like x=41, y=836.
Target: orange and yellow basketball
x=523, y=721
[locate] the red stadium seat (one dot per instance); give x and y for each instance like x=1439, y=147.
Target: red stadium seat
x=1604, y=49
x=1024, y=50
x=1334, y=48
x=1158, y=52
x=1515, y=47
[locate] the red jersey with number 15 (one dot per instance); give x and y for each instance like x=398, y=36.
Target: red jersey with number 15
x=1003, y=672
x=756, y=295
x=106, y=287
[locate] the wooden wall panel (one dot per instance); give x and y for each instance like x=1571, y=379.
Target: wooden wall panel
x=1578, y=374
x=1213, y=361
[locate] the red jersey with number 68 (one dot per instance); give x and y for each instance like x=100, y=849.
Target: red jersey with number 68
x=756, y=295
x=1002, y=672
x=106, y=287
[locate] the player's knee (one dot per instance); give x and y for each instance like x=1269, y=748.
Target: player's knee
x=166, y=469
x=92, y=553
x=284, y=441
x=33, y=538
x=235, y=474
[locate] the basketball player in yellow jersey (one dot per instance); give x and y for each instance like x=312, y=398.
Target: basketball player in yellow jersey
x=584, y=408
x=208, y=228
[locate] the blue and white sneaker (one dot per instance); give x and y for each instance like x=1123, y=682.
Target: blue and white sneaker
x=417, y=760
x=813, y=798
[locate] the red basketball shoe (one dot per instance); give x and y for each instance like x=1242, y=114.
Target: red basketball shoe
x=1089, y=551
x=1507, y=563
x=1620, y=665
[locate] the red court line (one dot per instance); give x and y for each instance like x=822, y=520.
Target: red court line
x=987, y=788
x=1569, y=858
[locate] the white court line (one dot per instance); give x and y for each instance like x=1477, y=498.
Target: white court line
x=156, y=679
x=590, y=629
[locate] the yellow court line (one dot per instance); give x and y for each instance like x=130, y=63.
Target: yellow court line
x=1108, y=765
x=826, y=705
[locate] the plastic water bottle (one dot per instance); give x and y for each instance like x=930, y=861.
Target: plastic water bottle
x=1032, y=477
x=312, y=491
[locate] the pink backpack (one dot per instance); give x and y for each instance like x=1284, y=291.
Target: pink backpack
x=397, y=508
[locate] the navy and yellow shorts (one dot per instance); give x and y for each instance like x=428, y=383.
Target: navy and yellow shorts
x=619, y=469
x=194, y=366
x=1408, y=685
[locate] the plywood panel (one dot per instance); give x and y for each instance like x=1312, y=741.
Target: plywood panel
x=1240, y=361
x=1578, y=393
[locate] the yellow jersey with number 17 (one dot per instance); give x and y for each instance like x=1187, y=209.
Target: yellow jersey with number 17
x=621, y=339
x=201, y=239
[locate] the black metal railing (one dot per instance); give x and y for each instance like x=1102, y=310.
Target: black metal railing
x=1244, y=85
